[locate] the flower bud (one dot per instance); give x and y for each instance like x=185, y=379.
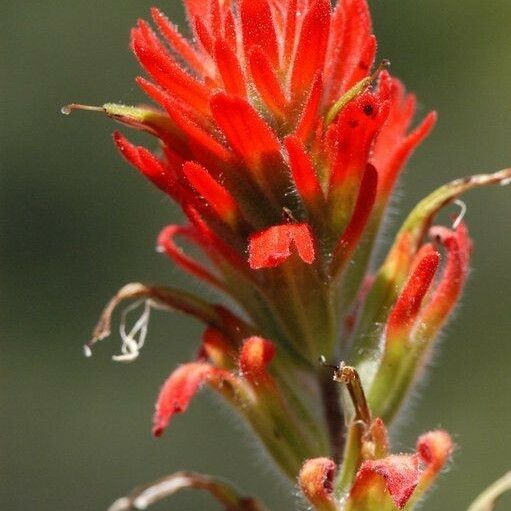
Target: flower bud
x=316, y=482
x=255, y=356
x=386, y=484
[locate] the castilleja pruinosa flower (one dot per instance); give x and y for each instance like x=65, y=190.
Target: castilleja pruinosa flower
x=282, y=142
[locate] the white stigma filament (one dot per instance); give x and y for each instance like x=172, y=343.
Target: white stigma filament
x=461, y=215
x=133, y=341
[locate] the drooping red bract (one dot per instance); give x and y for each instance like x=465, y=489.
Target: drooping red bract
x=178, y=390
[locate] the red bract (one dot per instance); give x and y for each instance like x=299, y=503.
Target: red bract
x=230, y=107
x=398, y=474
x=274, y=139
x=272, y=246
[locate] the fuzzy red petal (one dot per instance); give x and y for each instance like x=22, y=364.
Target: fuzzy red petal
x=316, y=480
x=247, y=133
x=401, y=151
x=259, y=29
x=302, y=169
x=179, y=44
x=154, y=57
x=363, y=208
x=271, y=247
x=309, y=118
x=256, y=355
x=266, y=81
x=354, y=132
x=350, y=35
x=312, y=45
x=196, y=8
x=217, y=196
x=230, y=69
x=216, y=247
x=179, y=389
x=203, y=35
x=146, y=162
x=202, y=144
x=166, y=243
x=458, y=246
x=435, y=448
x=409, y=302
x=290, y=33
x=400, y=475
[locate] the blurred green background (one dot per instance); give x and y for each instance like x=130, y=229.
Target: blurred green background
x=77, y=223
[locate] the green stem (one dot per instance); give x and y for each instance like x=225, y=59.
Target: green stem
x=351, y=459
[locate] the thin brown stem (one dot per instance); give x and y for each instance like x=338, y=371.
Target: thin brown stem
x=349, y=376
x=333, y=413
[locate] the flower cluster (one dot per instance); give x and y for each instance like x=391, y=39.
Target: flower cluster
x=283, y=148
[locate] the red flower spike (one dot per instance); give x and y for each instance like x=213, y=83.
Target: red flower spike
x=407, y=307
x=167, y=244
x=217, y=196
x=312, y=45
x=316, y=482
x=271, y=247
x=398, y=475
x=259, y=75
x=179, y=389
x=229, y=69
x=256, y=355
x=266, y=81
x=259, y=29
